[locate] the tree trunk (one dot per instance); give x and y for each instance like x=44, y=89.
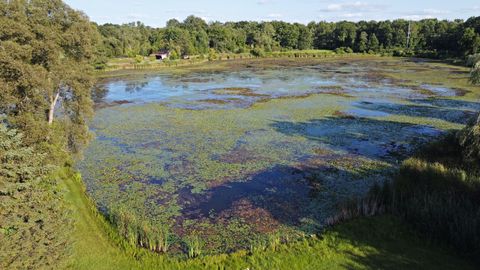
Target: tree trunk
x=53, y=103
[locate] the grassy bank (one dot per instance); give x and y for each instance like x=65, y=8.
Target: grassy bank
x=380, y=242
x=149, y=63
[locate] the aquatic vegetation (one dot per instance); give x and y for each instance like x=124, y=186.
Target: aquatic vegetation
x=194, y=246
x=235, y=153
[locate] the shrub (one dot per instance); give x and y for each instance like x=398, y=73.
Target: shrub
x=258, y=52
x=138, y=59
x=212, y=55
x=473, y=59
x=340, y=50
x=475, y=74
x=469, y=140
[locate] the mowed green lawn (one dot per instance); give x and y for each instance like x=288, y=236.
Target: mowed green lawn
x=367, y=243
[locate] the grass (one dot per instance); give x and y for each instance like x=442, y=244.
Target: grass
x=436, y=192
x=367, y=243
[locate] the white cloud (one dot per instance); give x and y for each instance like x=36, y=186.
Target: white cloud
x=428, y=13
x=353, y=7
x=351, y=15
x=435, y=11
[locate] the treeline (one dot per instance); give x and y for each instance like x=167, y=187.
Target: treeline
x=429, y=37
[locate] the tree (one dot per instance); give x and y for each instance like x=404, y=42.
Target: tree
x=287, y=35
x=45, y=63
x=475, y=74
x=305, y=39
x=345, y=34
x=470, y=41
x=373, y=43
x=363, y=42
x=34, y=224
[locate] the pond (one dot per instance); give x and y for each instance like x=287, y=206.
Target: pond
x=234, y=155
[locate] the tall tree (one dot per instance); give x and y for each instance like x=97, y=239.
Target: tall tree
x=470, y=41
x=373, y=43
x=363, y=42
x=46, y=54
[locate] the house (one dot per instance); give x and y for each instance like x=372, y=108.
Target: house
x=161, y=55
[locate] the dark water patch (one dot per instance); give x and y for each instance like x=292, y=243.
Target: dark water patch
x=281, y=190
x=449, y=103
x=365, y=113
x=371, y=138
x=156, y=181
x=413, y=110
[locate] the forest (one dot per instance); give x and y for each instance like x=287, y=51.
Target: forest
x=51, y=55
x=428, y=38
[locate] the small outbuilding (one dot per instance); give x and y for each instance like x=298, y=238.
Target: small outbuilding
x=161, y=55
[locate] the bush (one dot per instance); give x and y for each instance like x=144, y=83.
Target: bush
x=212, y=55
x=138, y=59
x=258, y=52
x=469, y=140
x=340, y=50
x=473, y=59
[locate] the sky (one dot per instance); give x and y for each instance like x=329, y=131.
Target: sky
x=156, y=13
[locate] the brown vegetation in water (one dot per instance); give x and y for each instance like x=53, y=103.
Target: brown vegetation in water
x=240, y=91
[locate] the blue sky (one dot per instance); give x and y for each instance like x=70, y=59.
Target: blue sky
x=156, y=13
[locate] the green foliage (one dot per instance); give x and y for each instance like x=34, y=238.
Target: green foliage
x=437, y=192
x=46, y=57
x=193, y=246
x=373, y=43
x=363, y=42
x=195, y=36
x=473, y=61
x=33, y=218
x=138, y=231
x=138, y=59
x=470, y=41
x=469, y=140
x=45, y=64
x=475, y=74
x=258, y=52
x=212, y=55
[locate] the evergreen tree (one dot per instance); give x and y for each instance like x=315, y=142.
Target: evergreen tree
x=373, y=43
x=363, y=42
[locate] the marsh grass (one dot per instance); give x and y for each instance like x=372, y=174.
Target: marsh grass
x=140, y=232
x=437, y=192
x=193, y=246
